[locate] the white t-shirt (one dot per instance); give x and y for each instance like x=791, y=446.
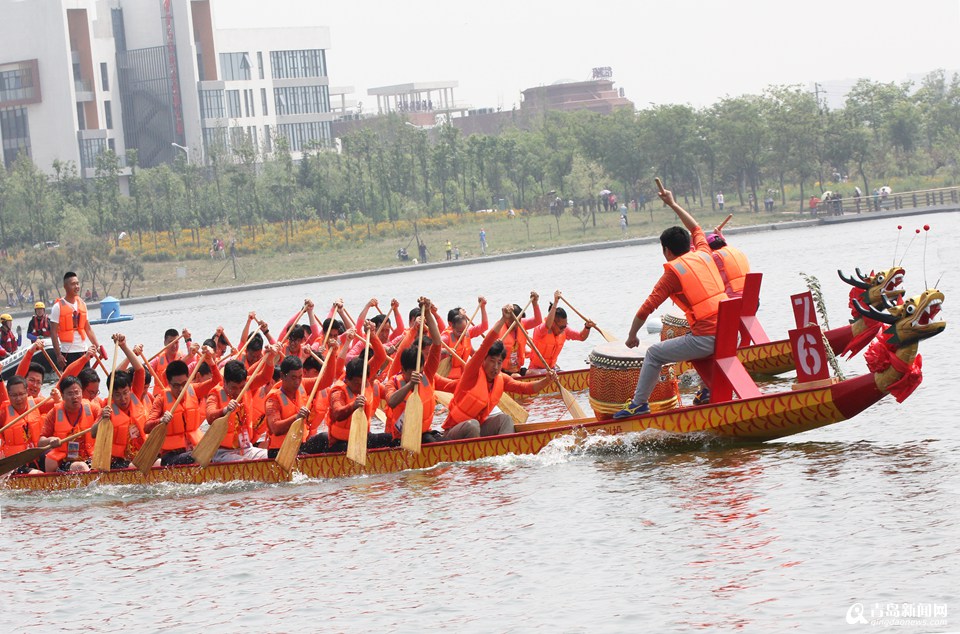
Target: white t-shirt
x=719, y=199
x=79, y=344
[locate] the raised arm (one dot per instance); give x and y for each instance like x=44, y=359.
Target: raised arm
x=688, y=221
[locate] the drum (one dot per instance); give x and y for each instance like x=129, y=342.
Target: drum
x=614, y=371
x=673, y=327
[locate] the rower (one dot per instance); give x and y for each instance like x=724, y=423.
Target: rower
x=345, y=397
x=285, y=403
x=127, y=412
x=461, y=343
x=183, y=424
x=515, y=342
x=71, y=331
x=71, y=414
x=482, y=385
x=171, y=353
x=731, y=262
x=26, y=433
x=237, y=444
x=400, y=386
x=550, y=336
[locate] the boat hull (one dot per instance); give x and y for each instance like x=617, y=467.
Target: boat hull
x=759, y=419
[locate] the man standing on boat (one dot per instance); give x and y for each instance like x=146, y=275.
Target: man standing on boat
x=71, y=332
x=691, y=279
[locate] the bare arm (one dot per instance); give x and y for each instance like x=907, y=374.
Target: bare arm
x=688, y=221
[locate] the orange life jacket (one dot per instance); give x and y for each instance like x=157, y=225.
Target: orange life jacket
x=287, y=408
x=161, y=370
x=733, y=266
x=549, y=346
x=475, y=403
x=63, y=428
x=25, y=434
x=65, y=326
x=464, y=349
x=239, y=423
x=427, y=397
x=701, y=283
x=128, y=434
x=515, y=346
x=340, y=430
x=185, y=424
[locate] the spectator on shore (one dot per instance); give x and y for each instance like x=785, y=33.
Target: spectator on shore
x=720, y=199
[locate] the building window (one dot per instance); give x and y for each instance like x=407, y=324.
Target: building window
x=267, y=140
x=300, y=136
x=302, y=100
x=235, y=66
x=104, y=77
x=304, y=63
x=263, y=101
x=233, y=104
x=249, y=109
x=17, y=83
x=260, y=63
x=15, y=133
x=81, y=116
x=108, y=115
x=90, y=149
x=211, y=104
x=112, y=145
x=215, y=140
x=252, y=135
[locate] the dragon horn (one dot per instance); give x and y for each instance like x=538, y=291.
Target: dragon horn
x=851, y=281
x=860, y=275
x=874, y=314
x=887, y=304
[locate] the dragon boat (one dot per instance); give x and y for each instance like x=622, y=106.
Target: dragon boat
x=762, y=357
x=892, y=360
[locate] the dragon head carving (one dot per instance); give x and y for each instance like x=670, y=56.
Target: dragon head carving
x=879, y=290
x=913, y=320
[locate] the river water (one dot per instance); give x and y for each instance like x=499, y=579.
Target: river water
x=656, y=534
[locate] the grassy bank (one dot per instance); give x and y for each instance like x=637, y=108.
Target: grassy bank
x=504, y=235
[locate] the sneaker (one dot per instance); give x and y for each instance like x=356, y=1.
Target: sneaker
x=633, y=410
x=702, y=397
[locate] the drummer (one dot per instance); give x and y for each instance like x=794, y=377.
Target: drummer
x=691, y=279
x=550, y=336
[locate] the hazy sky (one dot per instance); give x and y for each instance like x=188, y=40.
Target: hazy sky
x=671, y=51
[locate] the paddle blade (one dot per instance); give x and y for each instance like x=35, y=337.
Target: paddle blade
x=607, y=335
x=446, y=364
x=17, y=460
x=103, y=446
x=287, y=456
x=513, y=409
x=151, y=448
x=380, y=415
x=572, y=405
x=207, y=448
x=357, y=442
x=411, y=435
x=443, y=398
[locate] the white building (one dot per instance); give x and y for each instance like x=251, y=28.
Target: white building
x=80, y=76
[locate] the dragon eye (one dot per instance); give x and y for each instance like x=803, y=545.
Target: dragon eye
x=880, y=278
x=911, y=309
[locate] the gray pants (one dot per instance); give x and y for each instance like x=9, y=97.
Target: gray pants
x=683, y=348
x=494, y=425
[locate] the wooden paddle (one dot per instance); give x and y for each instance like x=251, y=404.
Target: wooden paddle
x=446, y=364
x=50, y=361
x=207, y=448
x=164, y=348
x=411, y=434
x=443, y=398
x=568, y=399
x=359, y=424
x=287, y=454
x=103, y=443
x=724, y=223
x=20, y=417
x=17, y=460
x=506, y=403
x=154, y=442
x=605, y=334
x=149, y=369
